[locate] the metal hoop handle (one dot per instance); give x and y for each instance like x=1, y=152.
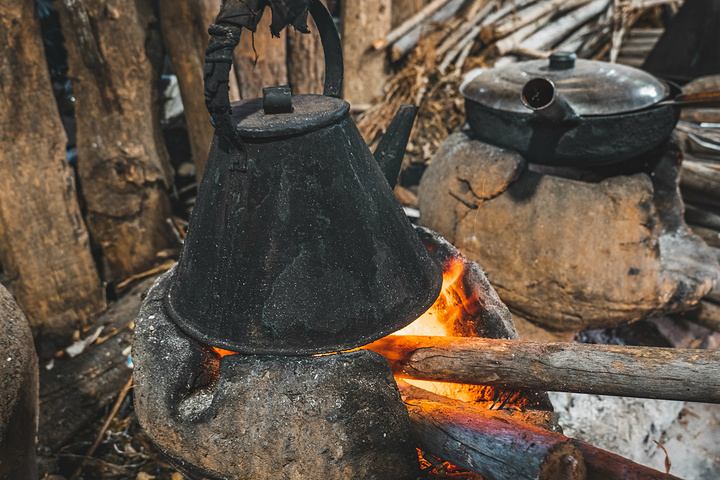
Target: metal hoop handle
x=218, y=61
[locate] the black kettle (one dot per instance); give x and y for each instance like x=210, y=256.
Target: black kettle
x=297, y=244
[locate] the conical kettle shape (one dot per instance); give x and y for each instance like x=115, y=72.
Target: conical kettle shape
x=297, y=244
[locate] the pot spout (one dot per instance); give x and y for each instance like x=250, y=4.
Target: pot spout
x=540, y=95
x=391, y=149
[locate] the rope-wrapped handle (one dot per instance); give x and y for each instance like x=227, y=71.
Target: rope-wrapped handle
x=225, y=36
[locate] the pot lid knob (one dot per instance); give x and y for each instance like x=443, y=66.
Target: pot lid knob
x=562, y=60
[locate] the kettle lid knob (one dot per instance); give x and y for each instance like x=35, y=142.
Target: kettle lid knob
x=277, y=99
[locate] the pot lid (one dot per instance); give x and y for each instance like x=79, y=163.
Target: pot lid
x=280, y=114
x=589, y=87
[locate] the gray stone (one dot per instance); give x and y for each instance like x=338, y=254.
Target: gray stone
x=18, y=393
x=258, y=417
x=565, y=253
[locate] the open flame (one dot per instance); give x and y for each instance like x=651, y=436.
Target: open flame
x=444, y=318
x=440, y=318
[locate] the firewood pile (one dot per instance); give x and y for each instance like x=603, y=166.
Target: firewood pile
x=433, y=50
x=700, y=184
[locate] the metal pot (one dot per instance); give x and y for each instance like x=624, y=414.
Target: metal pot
x=572, y=112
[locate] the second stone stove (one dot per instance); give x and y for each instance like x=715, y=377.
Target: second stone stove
x=570, y=249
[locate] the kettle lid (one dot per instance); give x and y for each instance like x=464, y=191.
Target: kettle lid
x=278, y=114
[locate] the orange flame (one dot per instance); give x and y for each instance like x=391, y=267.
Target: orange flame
x=222, y=352
x=440, y=318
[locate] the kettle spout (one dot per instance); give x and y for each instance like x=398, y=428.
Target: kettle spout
x=540, y=95
x=391, y=150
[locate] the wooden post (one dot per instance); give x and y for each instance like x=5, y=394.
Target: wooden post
x=305, y=62
x=114, y=57
x=44, y=244
x=645, y=372
x=184, y=25
x=365, y=68
x=271, y=67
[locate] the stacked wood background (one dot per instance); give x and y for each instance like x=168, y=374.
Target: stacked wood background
x=700, y=185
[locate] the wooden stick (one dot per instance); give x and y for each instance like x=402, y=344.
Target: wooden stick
x=645, y=372
x=103, y=429
x=513, y=41
x=149, y=273
x=555, y=31
x=487, y=442
x=526, y=16
x=409, y=24
x=460, y=433
x=464, y=30
x=406, y=43
x=577, y=38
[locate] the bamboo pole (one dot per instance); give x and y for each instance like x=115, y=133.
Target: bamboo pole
x=645, y=372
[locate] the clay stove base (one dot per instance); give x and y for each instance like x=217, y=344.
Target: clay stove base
x=267, y=417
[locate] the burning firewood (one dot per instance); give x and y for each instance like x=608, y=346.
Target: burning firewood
x=503, y=448
x=488, y=442
x=672, y=374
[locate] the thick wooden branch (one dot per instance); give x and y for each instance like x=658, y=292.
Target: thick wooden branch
x=487, y=442
x=494, y=444
x=645, y=372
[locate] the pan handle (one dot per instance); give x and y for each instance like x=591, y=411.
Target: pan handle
x=711, y=97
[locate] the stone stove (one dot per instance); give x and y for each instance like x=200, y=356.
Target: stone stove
x=570, y=249
x=263, y=416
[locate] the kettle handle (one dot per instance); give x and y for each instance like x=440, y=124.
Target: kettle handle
x=225, y=36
